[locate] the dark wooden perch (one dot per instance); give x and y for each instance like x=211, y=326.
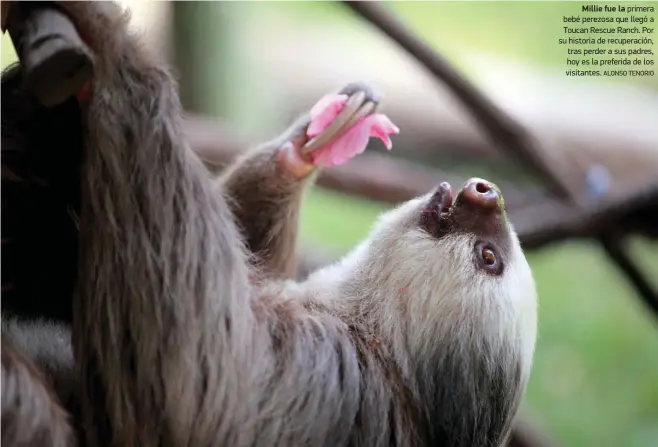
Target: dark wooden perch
x=55, y=60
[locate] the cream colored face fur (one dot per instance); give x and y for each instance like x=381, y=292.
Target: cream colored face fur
x=418, y=289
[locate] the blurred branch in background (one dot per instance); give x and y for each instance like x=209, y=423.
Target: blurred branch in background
x=577, y=125
x=504, y=131
x=613, y=242
x=539, y=219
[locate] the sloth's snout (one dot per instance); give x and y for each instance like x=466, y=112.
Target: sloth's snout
x=478, y=208
x=482, y=194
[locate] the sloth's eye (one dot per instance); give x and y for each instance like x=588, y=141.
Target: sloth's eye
x=488, y=256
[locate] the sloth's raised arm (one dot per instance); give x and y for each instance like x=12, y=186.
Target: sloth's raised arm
x=266, y=184
x=163, y=282
x=265, y=197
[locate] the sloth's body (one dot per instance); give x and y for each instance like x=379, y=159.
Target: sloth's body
x=423, y=335
x=405, y=341
x=427, y=344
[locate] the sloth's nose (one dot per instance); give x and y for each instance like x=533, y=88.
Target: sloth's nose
x=482, y=194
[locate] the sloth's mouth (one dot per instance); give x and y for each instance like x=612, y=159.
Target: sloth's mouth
x=478, y=207
x=441, y=201
x=435, y=216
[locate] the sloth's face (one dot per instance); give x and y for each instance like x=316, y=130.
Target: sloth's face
x=457, y=266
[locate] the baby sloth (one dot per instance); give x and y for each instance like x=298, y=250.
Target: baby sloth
x=423, y=335
x=439, y=304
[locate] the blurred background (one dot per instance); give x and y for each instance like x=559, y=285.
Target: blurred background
x=253, y=66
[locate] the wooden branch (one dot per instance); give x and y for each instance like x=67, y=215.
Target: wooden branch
x=509, y=135
x=612, y=243
x=212, y=140
x=576, y=125
x=539, y=219
x=551, y=222
x=372, y=176
x=385, y=179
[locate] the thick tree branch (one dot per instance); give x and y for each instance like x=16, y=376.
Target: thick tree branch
x=612, y=243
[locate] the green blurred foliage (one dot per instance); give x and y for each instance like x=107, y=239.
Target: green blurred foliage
x=7, y=52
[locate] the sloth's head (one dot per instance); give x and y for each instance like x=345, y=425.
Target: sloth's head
x=442, y=282
x=447, y=268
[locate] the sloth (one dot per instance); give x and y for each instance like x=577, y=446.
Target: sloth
x=187, y=328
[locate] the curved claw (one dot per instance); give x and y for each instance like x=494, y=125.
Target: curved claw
x=337, y=126
x=354, y=87
x=368, y=108
x=362, y=102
